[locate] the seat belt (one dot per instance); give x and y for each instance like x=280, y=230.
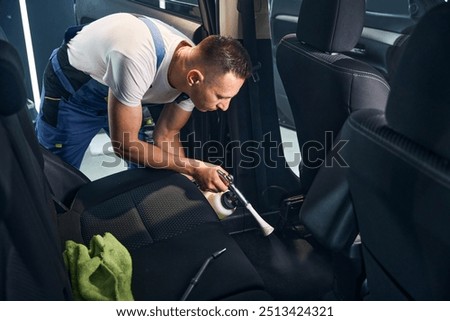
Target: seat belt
x=247, y=10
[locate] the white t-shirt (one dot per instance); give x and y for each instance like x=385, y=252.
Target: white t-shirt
x=118, y=51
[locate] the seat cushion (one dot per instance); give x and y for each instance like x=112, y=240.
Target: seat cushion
x=141, y=207
x=162, y=271
x=170, y=229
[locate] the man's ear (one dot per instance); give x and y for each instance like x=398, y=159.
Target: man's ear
x=195, y=77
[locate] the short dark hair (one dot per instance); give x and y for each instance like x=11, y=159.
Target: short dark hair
x=227, y=54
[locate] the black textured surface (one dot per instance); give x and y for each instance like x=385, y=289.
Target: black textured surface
x=157, y=205
x=160, y=276
x=291, y=268
x=331, y=25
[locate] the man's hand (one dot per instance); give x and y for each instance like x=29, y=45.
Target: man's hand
x=206, y=176
x=124, y=124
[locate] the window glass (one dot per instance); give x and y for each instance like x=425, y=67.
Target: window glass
x=185, y=8
x=396, y=7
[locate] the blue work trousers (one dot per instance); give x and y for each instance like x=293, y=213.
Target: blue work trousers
x=80, y=118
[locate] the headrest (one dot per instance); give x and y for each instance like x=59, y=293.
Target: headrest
x=419, y=104
x=12, y=86
x=331, y=25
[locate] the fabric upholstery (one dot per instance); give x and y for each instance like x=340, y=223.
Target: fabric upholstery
x=11, y=89
x=149, y=206
x=166, y=277
x=159, y=216
x=31, y=265
x=162, y=218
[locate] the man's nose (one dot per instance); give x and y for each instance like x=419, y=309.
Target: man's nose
x=223, y=105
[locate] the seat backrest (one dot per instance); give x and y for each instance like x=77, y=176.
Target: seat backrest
x=399, y=173
x=323, y=85
x=31, y=266
x=3, y=34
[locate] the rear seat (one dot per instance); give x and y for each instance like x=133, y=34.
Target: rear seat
x=160, y=216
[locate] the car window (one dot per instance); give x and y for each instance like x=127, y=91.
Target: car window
x=185, y=8
x=405, y=8
x=399, y=7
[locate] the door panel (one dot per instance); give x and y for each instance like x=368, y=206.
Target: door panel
x=386, y=27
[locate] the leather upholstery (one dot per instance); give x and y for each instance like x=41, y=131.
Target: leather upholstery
x=323, y=88
x=421, y=86
x=331, y=26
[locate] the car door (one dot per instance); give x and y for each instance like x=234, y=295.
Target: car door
x=386, y=29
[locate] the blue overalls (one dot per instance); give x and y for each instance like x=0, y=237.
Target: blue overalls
x=83, y=113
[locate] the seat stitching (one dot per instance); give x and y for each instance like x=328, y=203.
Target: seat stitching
x=331, y=66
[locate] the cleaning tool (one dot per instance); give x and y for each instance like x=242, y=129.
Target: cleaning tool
x=228, y=179
x=223, y=203
x=200, y=272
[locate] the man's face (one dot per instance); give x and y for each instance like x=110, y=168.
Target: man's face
x=213, y=94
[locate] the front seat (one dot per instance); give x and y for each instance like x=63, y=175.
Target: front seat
x=322, y=84
x=399, y=172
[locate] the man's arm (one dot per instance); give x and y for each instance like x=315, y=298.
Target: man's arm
x=124, y=125
x=167, y=132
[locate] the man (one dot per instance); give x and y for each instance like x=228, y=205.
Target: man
x=101, y=77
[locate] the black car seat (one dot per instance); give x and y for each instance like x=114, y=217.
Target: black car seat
x=399, y=172
x=30, y=253
x=160, y=216
x=323, y=85
x=2, y=34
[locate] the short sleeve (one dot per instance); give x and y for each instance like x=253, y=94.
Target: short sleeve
x=125, y=79
x=186, y=105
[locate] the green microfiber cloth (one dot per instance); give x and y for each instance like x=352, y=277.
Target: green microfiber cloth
x=101, y=273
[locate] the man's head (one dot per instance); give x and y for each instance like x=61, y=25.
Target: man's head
x=216, y=72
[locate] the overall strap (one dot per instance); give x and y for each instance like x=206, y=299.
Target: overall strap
x=157, y=40
x=71, y=32
x=59, y=73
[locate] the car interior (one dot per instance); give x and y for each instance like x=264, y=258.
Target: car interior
x=365, y=92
